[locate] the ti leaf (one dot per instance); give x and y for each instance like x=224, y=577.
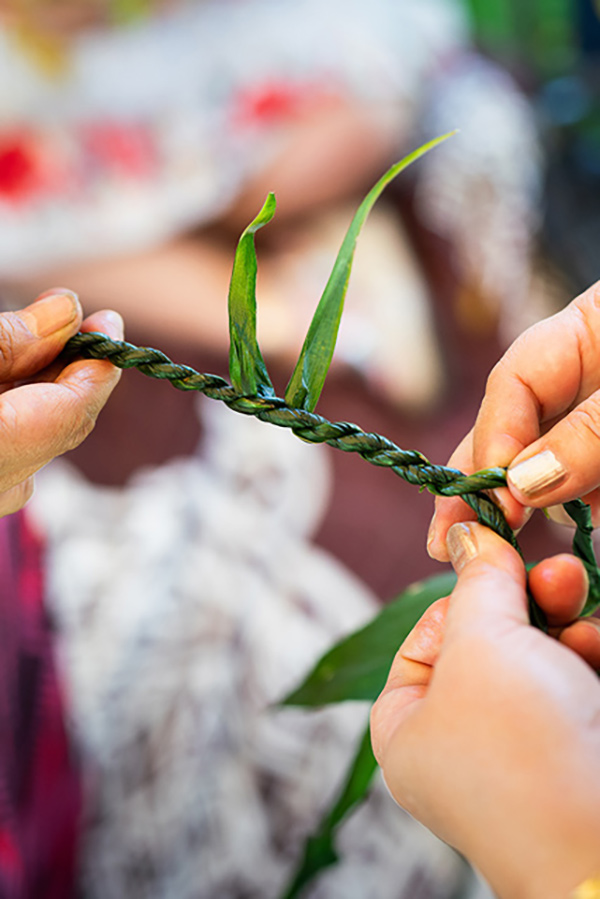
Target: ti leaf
x=319, y=849
x=583, y=548
x=358, y=666
x=309, y=375
x=247, y=369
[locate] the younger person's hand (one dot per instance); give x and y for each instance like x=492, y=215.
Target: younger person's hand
x=540, y=416
x=488, y=731
x=46, y=408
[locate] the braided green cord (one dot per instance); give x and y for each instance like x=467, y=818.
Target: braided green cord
x=410, y=465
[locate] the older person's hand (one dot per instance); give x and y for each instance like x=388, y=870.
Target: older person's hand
x=540, y=417
x=488, y=731
x=46, y=408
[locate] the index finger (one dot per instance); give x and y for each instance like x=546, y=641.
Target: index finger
x=545, y=371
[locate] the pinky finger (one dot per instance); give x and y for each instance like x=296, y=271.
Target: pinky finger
x=16, y=497
x=583, y=637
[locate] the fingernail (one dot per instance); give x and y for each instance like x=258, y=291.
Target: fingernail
x=461, y=544
x=537, y=474
x=50, y=314
x=431, y=534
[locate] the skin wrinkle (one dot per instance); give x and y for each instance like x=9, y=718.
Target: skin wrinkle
x=10, y=325
x=584, y=333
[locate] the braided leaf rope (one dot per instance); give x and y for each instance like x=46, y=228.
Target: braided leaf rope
x=411, y=465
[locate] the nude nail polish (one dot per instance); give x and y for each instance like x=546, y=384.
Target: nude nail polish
x=537, y=474
x=461, y=544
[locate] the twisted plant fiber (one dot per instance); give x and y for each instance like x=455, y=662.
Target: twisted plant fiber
x=410, y=465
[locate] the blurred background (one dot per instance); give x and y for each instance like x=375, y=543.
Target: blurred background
x=198, y=562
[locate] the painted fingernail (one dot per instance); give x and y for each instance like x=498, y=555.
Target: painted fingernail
x=461, y=544
x=50, y=314
x=537, y=474
x=431, y=534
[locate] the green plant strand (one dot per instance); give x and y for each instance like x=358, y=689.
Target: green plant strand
x=410, y=465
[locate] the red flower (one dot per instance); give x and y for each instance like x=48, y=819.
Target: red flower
x=19, y=169
x=273, y=103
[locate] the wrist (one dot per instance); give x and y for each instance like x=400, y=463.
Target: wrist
x=548, y=855
x=572, y=876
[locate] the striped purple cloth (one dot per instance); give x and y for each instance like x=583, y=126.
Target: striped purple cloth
x=40, y=790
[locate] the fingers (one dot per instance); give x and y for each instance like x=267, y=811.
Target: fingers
x=42, y=420
x=490, y=590
x=583, y=637
x=560, y=586
x=14, y=499
x=409, y=676
x=562, y=464
x=490, y=595
x=32, y=337
x=550, y=374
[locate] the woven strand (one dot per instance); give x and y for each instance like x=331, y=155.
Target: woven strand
x=410, y=465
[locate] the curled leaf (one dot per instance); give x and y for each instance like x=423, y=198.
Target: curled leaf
x=247, y=368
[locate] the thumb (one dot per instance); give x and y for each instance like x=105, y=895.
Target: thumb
x=490, y=590
x=31, y=338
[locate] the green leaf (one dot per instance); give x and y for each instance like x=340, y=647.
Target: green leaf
x=307, y=380
x=583, y=548
x=358, y=666
x=319, y=850
x=247, y=369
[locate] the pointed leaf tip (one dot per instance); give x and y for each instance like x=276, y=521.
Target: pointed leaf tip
x=308, y=377
x=247, y=368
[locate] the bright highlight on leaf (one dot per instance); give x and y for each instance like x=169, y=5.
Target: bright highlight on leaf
x=247, y=369
x=307, y=380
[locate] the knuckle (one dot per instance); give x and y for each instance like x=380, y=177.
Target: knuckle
x=81, y=426
x=585, y=420
x=9, y=340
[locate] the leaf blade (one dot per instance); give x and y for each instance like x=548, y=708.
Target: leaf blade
x=319, y=849
x=307, y=380
x=247, y=368
x=357, y=667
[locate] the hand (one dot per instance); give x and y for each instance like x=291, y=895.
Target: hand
x=46, y=408
x=488, y=731
x=540, y=417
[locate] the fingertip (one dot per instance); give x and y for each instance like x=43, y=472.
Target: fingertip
x=583, y=637
x=436, y=547
x=448, y=511
x=108, y=322
x=560, y=586
x=491, y=580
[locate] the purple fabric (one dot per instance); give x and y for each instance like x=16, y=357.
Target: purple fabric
x=40, y=793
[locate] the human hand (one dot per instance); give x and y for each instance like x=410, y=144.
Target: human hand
x=540, y=417
x=46, y=408
x=488, y=730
